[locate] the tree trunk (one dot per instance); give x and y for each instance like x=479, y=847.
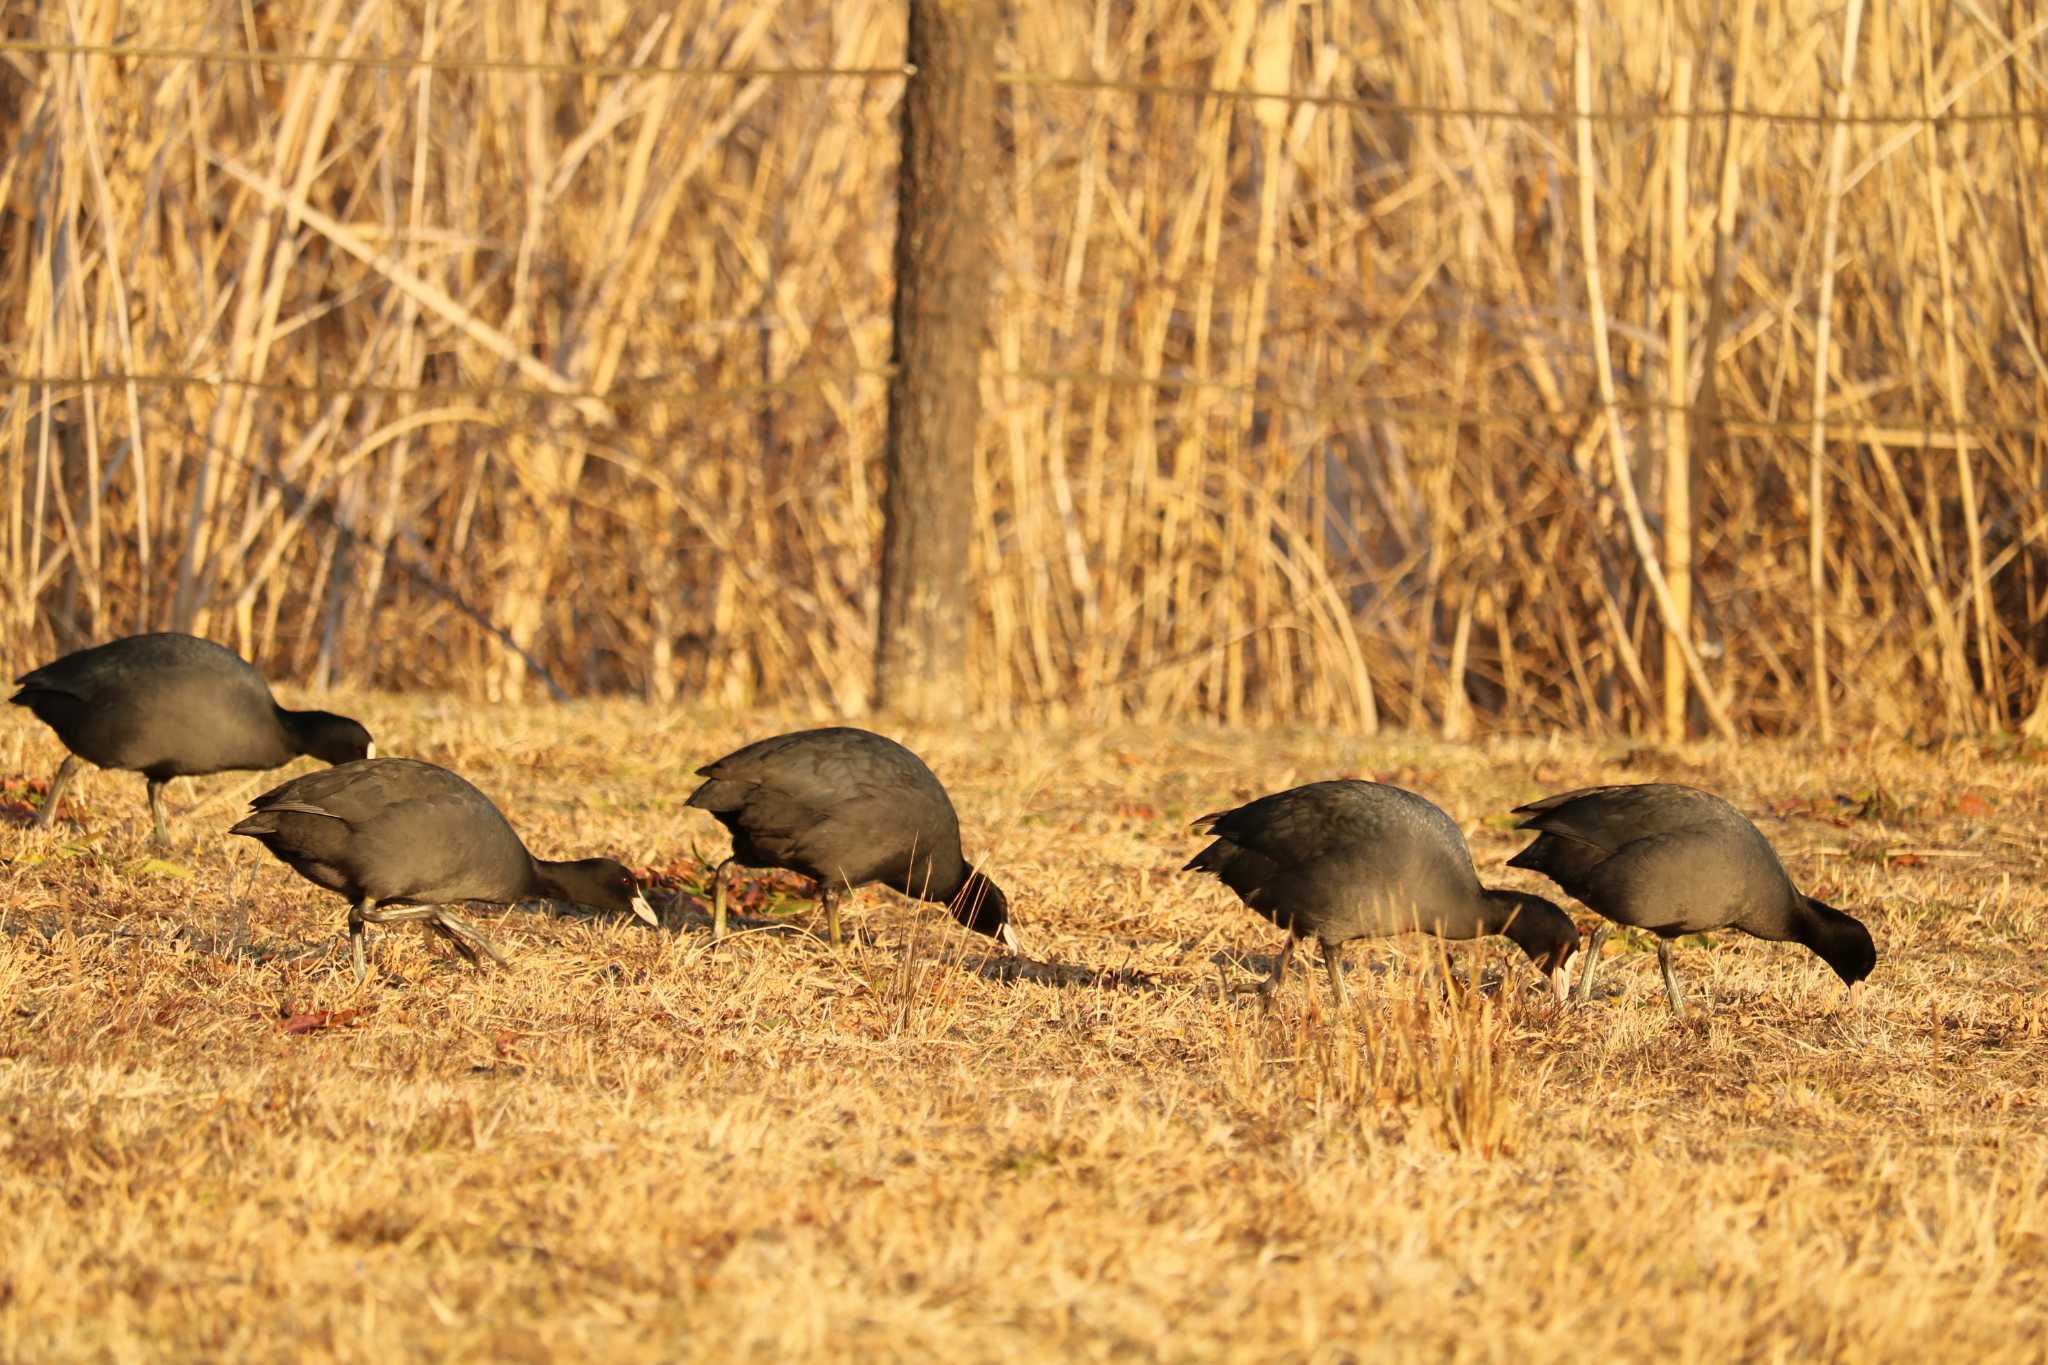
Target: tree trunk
x=943, y=254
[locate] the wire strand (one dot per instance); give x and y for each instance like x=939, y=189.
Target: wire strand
x=1482, y=113
x=625, y=391
x=1891, y=428
x=400, y=62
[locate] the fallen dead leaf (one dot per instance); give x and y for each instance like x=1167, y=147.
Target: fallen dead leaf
x=315, y=1021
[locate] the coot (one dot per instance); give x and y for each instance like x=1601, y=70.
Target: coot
x=391, y=832
x=1676, y=860
x=1343, y=860
x=172, y=705
x=846, y=807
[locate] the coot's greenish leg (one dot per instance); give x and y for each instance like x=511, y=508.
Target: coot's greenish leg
x=1585, y=991
x=467, y=938
x=718, y=901
x=1670, y=979
x=156, y=811
x=1333, y=962
x=1276, y=978
x=57, y=786
x=830, y=896
x=356, y=931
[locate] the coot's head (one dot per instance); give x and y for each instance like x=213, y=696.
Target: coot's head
x=1843, y=943
x=1543, y=931
x=328, y=737
x=981, y=905
x=599, y=883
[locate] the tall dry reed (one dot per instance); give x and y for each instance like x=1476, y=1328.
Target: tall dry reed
x=509, y=378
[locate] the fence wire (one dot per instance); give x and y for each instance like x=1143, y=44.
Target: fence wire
x=1905, y=429
x=1085, y=81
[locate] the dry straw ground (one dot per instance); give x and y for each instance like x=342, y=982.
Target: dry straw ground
x=628, y=1145
x=1291, y=410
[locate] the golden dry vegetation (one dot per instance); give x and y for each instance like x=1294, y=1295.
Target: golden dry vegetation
x=631, y=1146
x=502, y=378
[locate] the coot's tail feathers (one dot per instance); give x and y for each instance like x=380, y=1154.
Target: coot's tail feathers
x=1535, y=856
x=1213, y=857
x=256, y=826
x=719, y=794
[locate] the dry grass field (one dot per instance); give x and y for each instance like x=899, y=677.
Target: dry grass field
x=630, y=1146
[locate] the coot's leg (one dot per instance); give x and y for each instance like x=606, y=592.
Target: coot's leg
x=467, y=938
x=1276, y=978
x=1333, y=962
x=57, y=786
x=1670, y=980
x=718, y=901
x=156, y=811
x=1585, y=991
x=356, y=914
x=830, y=896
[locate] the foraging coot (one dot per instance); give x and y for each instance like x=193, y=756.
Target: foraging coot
x=398, y=832
x=1343, y=860
x=1676, y=860
x=846, y=807
x=170, y=706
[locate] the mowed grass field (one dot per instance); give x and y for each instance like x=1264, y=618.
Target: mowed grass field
x=631, y=1146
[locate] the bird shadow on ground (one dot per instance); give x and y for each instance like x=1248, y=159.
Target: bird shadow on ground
x=232, y=943
x=1242, y=973
x=1063, y=974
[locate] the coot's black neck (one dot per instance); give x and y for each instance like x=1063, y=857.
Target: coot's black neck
x=1531, y=923
x=323, y=735
x=1838, y=939
x=935, y=879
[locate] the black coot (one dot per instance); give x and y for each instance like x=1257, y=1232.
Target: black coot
x=1676, y=860
x=845, y=807
x=172, y=706
x=399, y=832
x=1337, y=861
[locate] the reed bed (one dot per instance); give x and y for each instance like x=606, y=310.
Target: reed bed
x=500, y=366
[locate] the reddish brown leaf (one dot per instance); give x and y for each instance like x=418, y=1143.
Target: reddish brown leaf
x=1972, y=805
x=315, y=1021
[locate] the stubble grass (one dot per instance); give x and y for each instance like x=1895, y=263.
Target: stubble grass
x=631, y=1145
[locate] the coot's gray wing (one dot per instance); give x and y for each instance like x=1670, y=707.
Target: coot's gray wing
x=1577, y=831
x=1686, y=882
x=1343, y=818
x=165, y=704
x=819, y=769
x=1660, y=856
x=1342, y=857
x=396, y=828
x=839, y=803
x=1609, y=817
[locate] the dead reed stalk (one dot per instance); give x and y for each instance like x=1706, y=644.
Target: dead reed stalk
x=524, y=368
